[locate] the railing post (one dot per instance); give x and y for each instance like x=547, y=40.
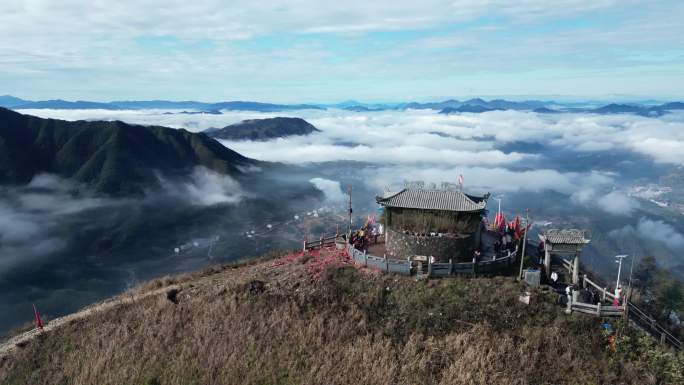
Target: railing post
x=598, y=309
x=429, y=266
x=474, y=266
x=451, y=266
x=304, y=249
x=603, y=298
x=662, y=338
x=584, y=281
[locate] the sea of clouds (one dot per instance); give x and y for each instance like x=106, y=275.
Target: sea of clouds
x=587, y=157
x=425, y=145
x=591, y=159
x=574, y=169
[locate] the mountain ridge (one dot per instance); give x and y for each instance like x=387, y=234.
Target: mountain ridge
x=263, y=129
x=111, y=156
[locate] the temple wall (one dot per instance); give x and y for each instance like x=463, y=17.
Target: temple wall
x=442, y=248
x=426, y=221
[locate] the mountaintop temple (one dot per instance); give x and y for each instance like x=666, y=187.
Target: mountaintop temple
x=444, y=223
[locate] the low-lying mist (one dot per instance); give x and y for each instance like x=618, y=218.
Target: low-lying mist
x=63, y=247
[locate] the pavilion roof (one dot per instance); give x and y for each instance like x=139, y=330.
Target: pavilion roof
x=566, y=236
x=446, y=200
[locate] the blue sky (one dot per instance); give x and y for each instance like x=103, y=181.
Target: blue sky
x=313, y=51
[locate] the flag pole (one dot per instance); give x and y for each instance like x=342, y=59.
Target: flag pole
x=350, y=211
x=527, y=228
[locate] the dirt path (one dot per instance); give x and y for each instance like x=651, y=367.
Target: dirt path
x=8, y=346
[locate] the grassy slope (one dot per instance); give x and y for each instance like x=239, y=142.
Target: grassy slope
x=346, y=327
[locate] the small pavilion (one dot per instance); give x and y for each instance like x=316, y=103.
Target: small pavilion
x=563, y=243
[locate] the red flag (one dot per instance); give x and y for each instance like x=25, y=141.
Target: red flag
x=516, y=227
x=39, y=322
x=502, y=222
x=497, y=220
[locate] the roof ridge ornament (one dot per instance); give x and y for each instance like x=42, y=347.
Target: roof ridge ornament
x=414, y=185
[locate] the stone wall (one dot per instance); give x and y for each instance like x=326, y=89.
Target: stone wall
x=459, y=248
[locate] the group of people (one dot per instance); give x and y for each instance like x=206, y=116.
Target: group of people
x=366, y=235
x=507, y=241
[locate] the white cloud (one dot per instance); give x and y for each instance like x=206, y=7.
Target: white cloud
x=613, y=202
x=653, y=230
x=482, y=180
x=205, y=187
x=660, y=231
x=617, y=203
x=219, y=20
x=664, y=150
x=31, y=216
x=331, y=188
x=304, y=49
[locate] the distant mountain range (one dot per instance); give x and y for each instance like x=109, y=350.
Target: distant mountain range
x=8, y=101
x=480, y=105
x=476, y=105
x=499, y=105
x=113, y=157
x=263, y=129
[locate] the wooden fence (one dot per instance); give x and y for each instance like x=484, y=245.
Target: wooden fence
x=599, y=310
x=320, y=243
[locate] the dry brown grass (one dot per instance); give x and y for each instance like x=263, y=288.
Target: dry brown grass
x=348, y=328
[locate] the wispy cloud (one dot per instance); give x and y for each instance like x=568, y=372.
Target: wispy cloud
x=652, y=230
x=283, y=50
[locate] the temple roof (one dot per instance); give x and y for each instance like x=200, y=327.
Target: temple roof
x=433, y=200
x=566, y=236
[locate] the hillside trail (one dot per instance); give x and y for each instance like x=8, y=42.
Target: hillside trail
x=21, y=339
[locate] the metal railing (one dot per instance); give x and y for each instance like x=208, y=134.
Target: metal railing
x=641, y=318
x=649, y=324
